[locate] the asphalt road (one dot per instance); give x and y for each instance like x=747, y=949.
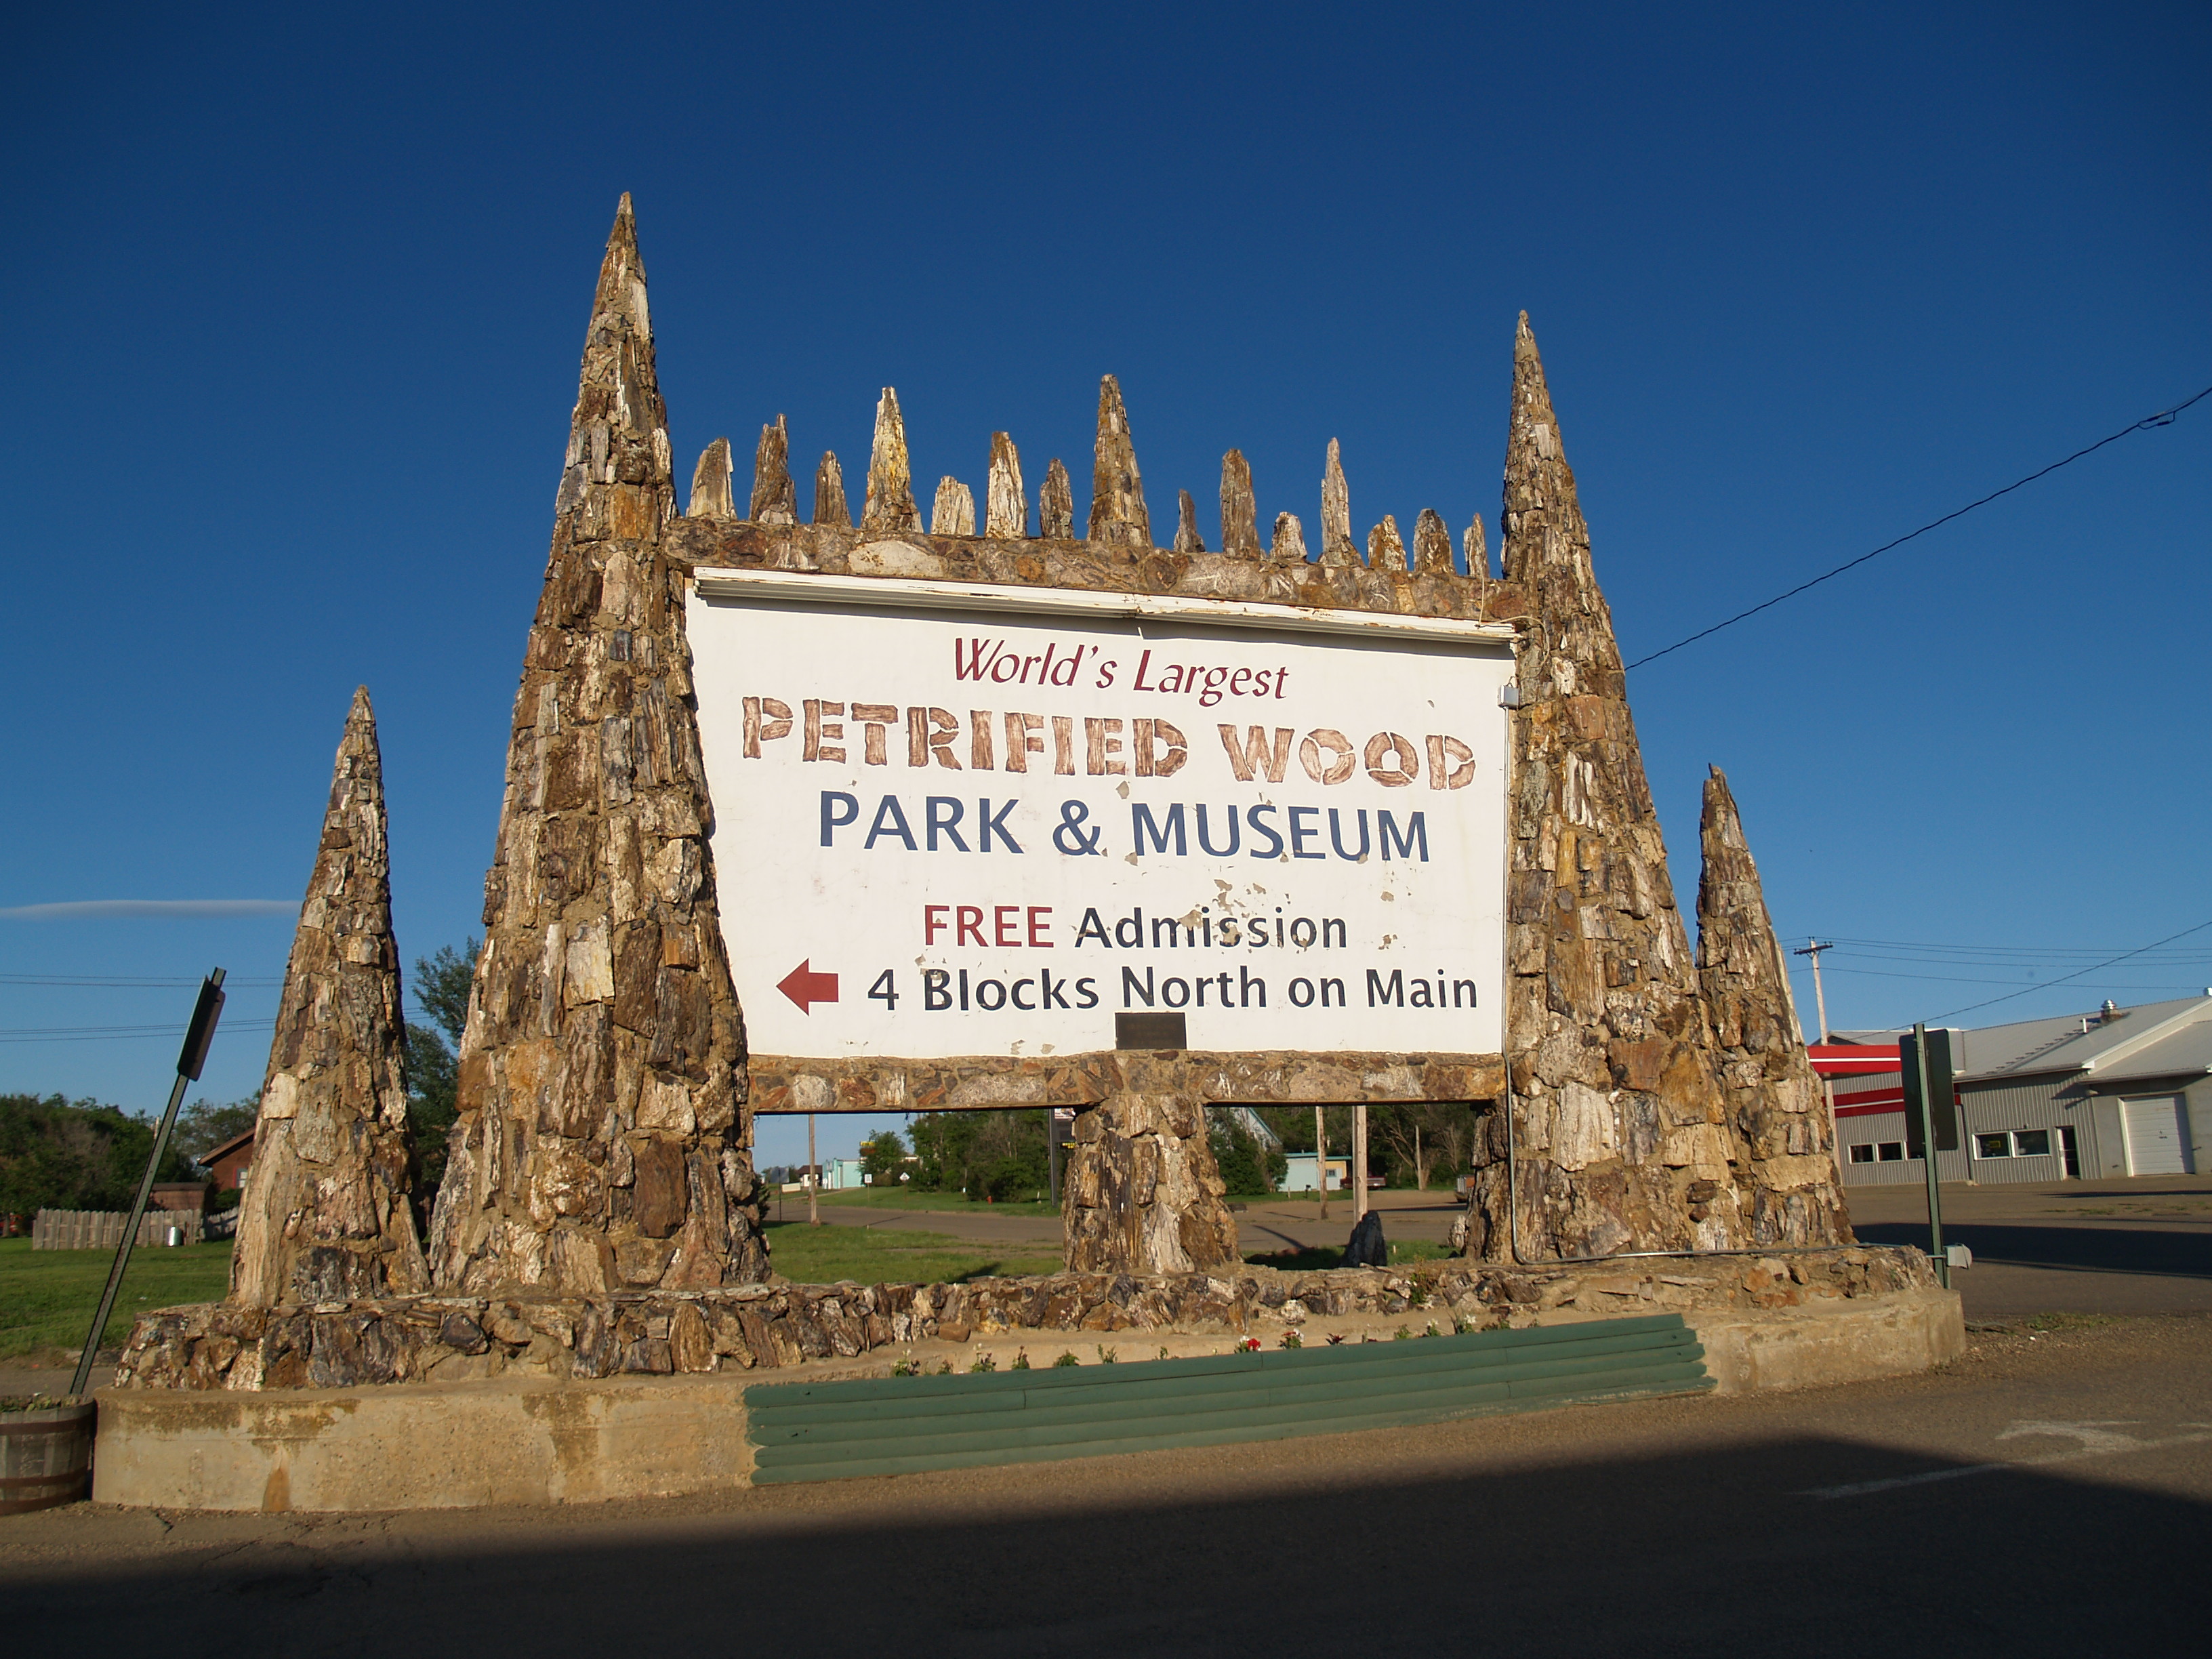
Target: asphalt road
x=2048, y=1495
x=2139, y=1245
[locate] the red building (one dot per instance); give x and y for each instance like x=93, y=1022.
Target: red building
x=229, y=1162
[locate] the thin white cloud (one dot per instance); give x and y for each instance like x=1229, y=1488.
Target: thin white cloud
x=165, y=910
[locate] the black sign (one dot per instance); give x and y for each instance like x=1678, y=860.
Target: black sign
x=1942, y=1093
x=1148, y=1032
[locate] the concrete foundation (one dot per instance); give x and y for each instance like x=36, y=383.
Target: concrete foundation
x=422, y=1446
x=520, y=1440
x=1892, y=1335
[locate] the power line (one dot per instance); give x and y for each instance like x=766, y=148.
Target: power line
x=2164, y=417
x=84, y=982
x=1870, y=946
x=116, y=1033
x=2078, y=974
x=1963, y=979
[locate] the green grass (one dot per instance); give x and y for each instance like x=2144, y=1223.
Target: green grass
x=1403, y=1253
x=903, y=1198
x=47, y=1298
x=823, y=1255
x=2047, y=1322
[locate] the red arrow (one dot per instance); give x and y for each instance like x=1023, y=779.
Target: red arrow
x=805, y=987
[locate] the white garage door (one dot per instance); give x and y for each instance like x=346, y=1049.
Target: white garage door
x=2157, y=1143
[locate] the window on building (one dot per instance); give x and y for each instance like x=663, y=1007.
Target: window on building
x=2030, y=1143
x=1892, y=1151
x=1863, y=1152
x=1993, y=1146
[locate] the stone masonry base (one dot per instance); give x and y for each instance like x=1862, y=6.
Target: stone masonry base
x=536, y=1440
x=439, y=1403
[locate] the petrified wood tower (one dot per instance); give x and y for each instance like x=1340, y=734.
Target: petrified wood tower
x=325, y=1216
x=1775, y=1102
x=602, y=1139
x=1619, y=1135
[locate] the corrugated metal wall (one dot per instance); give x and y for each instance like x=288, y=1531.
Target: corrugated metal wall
x=1872, y=1129
x=2030, y=1103
x=1991, y=1109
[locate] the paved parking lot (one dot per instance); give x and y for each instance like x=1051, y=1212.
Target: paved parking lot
x=2136, y=1245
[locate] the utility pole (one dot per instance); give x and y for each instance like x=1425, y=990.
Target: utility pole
x=1359, y=1161
x=1320, y=1160
x=814, y=1178
x=1813, y=949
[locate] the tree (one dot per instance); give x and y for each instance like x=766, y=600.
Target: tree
x=441, y=991
x=1424, y=1136
x=80, y=1155
x=880, y=1157
x=441, y=988
x=205, y=1124
x=1000, y=1155
x=1249, y=1169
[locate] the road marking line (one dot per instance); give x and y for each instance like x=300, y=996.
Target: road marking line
x=1861, y=1488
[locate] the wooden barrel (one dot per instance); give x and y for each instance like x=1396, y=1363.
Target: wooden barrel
x=46, y=1456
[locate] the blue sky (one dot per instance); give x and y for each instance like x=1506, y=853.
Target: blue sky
x=297, y=297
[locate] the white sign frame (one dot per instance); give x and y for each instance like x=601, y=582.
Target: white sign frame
x=1434, y=879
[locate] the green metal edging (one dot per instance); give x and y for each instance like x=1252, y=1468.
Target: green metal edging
x=771, y=1430
x=841, y=1430
x=1196, y=1388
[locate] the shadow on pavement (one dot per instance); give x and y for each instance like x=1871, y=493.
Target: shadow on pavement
x=2103, y=1248
x=1718, y=1550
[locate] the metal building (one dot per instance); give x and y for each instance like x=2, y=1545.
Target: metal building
x=2123, y=1091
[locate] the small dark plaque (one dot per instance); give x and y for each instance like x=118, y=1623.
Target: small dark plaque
x=1148, y=1032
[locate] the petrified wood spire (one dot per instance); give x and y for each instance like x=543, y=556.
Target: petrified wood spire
x=325, y=1217
x=1432, y=555
x=602, y=1139
x=1006, y=509
x=1618, y=1118
x=1478, y=551
x=1186, y=540
x=1386, y=549
x=1290, y=543
x=953, y=513
x=1336, y=544
x=889, y=507
x=774, y=500
x=710, y=484
x=1773, y=1097
x=829, y=492
x=1240, y=530
x=1056, y=505
x=1117, y=493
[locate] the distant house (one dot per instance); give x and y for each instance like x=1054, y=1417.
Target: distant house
x=230, y=1163
x=838, y=1174
x=1298, y=1173
x=2123, y=1091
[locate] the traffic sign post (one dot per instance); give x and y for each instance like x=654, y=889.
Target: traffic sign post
x=1926, y=1065
x=190, y=1060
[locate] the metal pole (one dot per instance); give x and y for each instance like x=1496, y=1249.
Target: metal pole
x=190, y=1058
x=1320, y=1160
x=1930, y=1155
x=1052, y=1149
x=1358, y=1161
x=814, y=1178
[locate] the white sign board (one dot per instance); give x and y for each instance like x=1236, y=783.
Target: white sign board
x=987, y=831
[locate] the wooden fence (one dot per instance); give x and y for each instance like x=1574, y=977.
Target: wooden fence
x=102, y=1230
